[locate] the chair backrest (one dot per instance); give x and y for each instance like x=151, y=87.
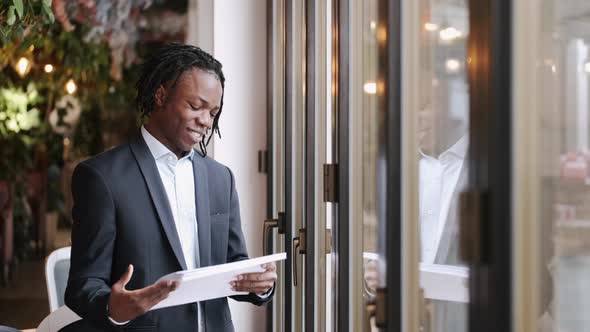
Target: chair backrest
x=57, y=268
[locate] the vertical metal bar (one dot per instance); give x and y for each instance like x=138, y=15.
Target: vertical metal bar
x=531, y=196
x=311, y=178
x=342, y=216
x=489, y=70
x=270, y=129
x=289, y=152
x=390, y=198
x=501, y=156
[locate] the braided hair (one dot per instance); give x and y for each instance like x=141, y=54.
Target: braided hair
x=168, y=64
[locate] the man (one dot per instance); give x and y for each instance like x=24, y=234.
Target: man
x=156, y=205
x=443, y=142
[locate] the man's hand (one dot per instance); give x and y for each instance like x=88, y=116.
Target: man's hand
x=258, y=283
x=126, y=305
x=371, y=277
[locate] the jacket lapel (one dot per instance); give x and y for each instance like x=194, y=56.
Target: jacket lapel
x=152, y=178
x=202, y=204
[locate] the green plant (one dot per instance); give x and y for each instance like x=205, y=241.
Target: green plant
x=22, y=17
x=19, y=117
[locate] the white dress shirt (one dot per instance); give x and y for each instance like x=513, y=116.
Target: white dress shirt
x=179, y=183
x=438, y=182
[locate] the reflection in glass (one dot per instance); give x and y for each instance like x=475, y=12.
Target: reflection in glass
x=443, y=140
x=370, y=143
x=564, y=159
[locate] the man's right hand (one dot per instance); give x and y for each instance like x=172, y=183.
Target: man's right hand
x=127, y=305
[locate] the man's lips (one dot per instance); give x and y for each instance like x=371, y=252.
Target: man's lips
x=196, y=134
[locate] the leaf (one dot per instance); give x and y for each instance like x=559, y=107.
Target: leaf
x=48, y=11
x=11, y=15
x=18, y=4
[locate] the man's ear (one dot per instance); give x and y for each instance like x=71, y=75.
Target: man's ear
x=160, y=96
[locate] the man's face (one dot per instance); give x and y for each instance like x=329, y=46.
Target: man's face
x=438, y=129
x=427, y=129
x=185, y=112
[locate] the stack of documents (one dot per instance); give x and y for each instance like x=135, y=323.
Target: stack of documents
x=211, y=282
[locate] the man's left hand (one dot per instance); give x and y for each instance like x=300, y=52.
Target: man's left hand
x=258, y=283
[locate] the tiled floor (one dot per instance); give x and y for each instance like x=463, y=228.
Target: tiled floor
x=24, y=304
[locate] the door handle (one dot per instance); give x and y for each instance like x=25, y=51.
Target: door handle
x=375, y=308
x=298, y=248
x=472, y=216
x=269, y=224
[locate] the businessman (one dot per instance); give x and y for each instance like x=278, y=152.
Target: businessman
x=157, y=205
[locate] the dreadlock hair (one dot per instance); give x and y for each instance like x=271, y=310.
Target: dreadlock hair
x=168, y=64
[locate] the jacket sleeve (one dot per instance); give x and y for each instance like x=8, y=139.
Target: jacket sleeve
x=93, y=239
x=237, y=245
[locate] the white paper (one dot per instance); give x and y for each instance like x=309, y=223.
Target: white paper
x=58, y=319
x=445, y=282
x=211, y=282
x=440, y=282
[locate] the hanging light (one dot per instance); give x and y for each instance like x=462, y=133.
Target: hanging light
x=449, y=34
x=428, y=26
x=370, y=88
x=71, y=86
x=22, y=66
x=48, y=68
x=452, y=65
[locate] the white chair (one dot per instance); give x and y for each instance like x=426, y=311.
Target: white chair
x=57, y=268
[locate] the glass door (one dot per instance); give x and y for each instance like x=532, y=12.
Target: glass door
x=298, y=142
x=442, y=140
x=552, y=137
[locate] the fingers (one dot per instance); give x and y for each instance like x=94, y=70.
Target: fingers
x=154, y=290
x=252, y=286
x=269, y=267
x=258, y=276
x=125, y=278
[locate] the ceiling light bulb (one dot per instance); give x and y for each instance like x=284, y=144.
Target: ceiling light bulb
x=71, y=86
x=452, y=65
x=48, y=68
x=23, y=65
x=449, y=34
x=430, y=26
x=370, y=88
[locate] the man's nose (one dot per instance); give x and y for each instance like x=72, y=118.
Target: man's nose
x=206, y=120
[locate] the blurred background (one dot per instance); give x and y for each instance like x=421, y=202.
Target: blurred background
x=67, y=75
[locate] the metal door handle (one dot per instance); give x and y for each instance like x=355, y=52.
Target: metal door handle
x=298, y=248
x=376, y=309
x=295, y=247
x=269, y=224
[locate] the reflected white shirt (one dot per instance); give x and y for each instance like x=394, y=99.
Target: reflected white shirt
x=438, y=181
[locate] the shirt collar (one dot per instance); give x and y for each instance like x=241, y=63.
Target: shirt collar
x=158, y=149
x=459, y=148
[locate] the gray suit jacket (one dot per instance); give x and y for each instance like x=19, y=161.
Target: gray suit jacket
x=122, y=216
